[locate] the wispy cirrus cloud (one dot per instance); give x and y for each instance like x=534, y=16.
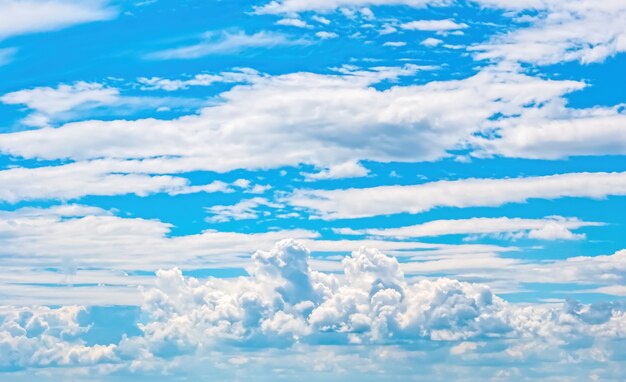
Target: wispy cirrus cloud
x=19, y=17
x=227, y=42
x=549, y=228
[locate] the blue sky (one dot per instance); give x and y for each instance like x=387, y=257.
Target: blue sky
x=312, y=190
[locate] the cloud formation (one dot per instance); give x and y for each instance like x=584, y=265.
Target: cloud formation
x=19, y=17
x=414, y=199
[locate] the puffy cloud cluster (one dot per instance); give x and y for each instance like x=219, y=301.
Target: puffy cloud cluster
x=41, y=336
x=284, y=302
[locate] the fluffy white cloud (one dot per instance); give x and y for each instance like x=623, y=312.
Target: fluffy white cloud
x=431, y=42
x=433, y=25
x=342, y=170
x=284, y=302
x=48, y=101
x=342, y=118
x=44, y=337
x=582, y=30
x=555, y=132
x=46, y=251
x=550, y=228
x=28, y=16
x=324, y=35
x=383, y=200
x=293, y=22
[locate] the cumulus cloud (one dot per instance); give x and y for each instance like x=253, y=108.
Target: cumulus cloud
x=47, y=250
x=431, y=42
x=283, y=302
x=44, y=337
x=324, y=35
x=383, y=200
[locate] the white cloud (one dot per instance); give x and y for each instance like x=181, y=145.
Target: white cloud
x=554, y=132
x=244, y=209
x=79, y=179
x=343, y=170
x=320, y=19
x=581, y=30
x=284, y=302
x=158, y=83
x=430, y=42
x=394, y=43
x=341, y=117
x=19, y=17
x=550, y=228
x=46, y=251
x=225, y=42
x=296, y=6
x=293, y=22
x=383, y=200
x=48, y=101
x=433, y=25
x=562, y=30
x=326, y=35
x=40, y=336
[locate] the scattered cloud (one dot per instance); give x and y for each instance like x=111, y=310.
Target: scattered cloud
x=550, y=228
x=355, y=202
x=293, y=22
x=433, y=25
x=351, y=121
x=226, y=42
x=18, y=17
x=241, y=75
x=244, y=209
x=326, y=35
x=394, y=43
x=431, y=42
x=47, y=101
